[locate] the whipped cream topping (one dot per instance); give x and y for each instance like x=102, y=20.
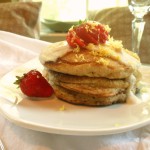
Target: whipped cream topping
x=132, y=98
x=54, y=51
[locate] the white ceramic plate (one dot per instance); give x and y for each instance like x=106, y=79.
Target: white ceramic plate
x=47, y=114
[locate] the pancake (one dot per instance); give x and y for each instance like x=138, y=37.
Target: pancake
x=84, y=99
x=97, y=81
x=91, y=89
x=86, y=64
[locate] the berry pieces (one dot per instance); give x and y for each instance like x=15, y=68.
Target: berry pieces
x=87, y=32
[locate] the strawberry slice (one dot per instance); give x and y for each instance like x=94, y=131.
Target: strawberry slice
x=33, y=84
x=85, y=33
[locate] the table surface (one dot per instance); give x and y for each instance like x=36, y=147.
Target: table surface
x=15, y=137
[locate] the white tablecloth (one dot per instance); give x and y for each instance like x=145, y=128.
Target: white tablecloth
x=16, y=50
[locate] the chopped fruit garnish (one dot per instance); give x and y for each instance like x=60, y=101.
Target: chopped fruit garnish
x=87, y=32
x=33, y=84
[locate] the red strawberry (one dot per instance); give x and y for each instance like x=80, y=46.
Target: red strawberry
x=33, y=84
x=85, y=33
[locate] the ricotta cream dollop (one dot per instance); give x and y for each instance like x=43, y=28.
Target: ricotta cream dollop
x=54, y=51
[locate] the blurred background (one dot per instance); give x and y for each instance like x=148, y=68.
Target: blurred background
x=74, y=10
x=59, y=15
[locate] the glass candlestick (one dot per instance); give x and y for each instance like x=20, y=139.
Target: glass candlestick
x=139, y=8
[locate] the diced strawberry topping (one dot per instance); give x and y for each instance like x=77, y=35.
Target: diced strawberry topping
x=85, y=33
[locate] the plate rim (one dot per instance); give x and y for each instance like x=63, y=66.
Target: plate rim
x=63, y=131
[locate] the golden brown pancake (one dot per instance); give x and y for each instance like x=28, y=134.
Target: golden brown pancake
x=91, y=89
x=97, y=81
x=85, y=99
x=84, y=63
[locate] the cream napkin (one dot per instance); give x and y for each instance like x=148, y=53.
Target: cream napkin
x=16, y=50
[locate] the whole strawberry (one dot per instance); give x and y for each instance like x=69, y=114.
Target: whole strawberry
x=33, y=84
x=87, y=32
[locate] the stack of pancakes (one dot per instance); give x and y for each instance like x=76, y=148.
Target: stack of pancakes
x=96, y=76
